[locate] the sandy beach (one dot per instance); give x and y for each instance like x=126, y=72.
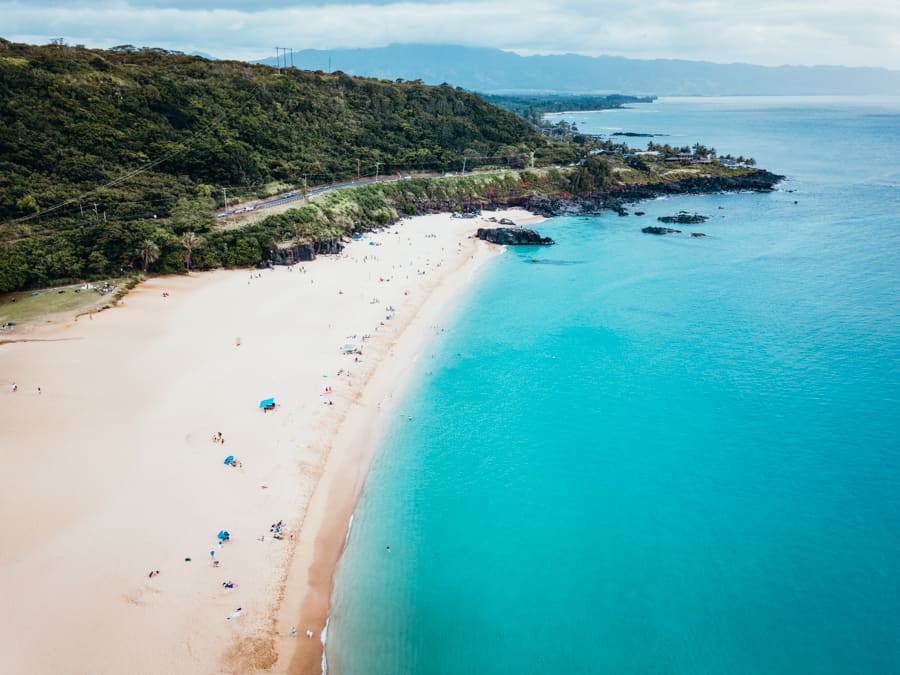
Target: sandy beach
x=112, y=473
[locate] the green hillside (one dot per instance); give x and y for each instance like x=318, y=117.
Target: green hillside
x=130, y=146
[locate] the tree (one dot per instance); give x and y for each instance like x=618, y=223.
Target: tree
x=27, y=203
x=13, y=269
x=148, y=253
x=190, y=241
x=193, y=214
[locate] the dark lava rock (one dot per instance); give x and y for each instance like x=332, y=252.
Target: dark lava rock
x=289, y=255
x=653, y=229
x=684, y=218
x=512, y=236
x=507, y=221
x=697, y=234
x=639, y=213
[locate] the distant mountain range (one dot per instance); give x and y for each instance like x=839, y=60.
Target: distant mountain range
x=496, y=71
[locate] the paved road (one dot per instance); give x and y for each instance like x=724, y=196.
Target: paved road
x=297, y=196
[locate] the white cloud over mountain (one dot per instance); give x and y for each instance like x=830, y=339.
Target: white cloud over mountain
x=765, y=32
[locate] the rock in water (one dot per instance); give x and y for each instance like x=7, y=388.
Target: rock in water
x=653, y=229
x=684, y=218
x=512, y=236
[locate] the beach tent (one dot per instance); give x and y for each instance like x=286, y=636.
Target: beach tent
x=229, y=459
x=224, y=535
x=357, y=236
x=349, y=348
x=266, y=402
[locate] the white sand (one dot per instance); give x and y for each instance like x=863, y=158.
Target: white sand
x=111, y=472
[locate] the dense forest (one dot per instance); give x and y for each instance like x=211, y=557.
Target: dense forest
x=107, y=157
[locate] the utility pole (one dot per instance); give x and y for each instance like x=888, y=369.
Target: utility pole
x=225, y=196
x=357, y=168
x=377, y=164
x=464, y=164
x=278, y=53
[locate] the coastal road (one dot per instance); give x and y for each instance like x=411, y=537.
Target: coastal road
x=312, y=192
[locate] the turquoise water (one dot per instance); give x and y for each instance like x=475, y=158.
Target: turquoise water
x=639, y=454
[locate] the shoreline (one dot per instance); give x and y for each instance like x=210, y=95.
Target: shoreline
x=111, y=470
x=355, y=447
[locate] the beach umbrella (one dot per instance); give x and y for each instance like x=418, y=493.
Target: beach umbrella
x=229, y=459
x=224, y=535
x=357, y=236
x=266, y=401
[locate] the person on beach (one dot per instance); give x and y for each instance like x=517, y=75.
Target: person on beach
x=15, y=387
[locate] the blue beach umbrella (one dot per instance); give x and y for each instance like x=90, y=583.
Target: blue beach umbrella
x=266, y=401
x=357, y=236
x=229, y=459
x=224, y=535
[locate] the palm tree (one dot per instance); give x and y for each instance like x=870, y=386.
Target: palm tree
x=190, y=241
x=148, y=252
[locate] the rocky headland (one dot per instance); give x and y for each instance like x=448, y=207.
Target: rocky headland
x=618, y=197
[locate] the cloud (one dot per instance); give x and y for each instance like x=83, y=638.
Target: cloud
x=767, y=32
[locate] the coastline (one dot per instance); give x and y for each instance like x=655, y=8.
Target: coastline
x=111, y=470
x=325, y=532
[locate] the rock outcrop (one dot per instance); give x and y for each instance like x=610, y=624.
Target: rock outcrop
x=304, y=252
x=512, y=236
x=654, y=229
x=684, y=218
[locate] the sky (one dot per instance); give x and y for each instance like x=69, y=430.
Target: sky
x=764, y=32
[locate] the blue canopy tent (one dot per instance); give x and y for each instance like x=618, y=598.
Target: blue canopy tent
x=229, y=459
x=266, y=402
x=224, y=535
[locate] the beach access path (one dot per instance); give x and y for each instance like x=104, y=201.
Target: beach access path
x=111, y=473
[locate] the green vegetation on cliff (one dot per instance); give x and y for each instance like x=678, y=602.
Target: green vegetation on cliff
x=130, y=145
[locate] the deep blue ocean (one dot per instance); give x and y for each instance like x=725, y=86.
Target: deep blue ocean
x=642, y=454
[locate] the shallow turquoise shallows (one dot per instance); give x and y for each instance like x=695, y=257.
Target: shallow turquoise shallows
x=641, y=454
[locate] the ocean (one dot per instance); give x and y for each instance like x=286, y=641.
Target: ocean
x=641, y=454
